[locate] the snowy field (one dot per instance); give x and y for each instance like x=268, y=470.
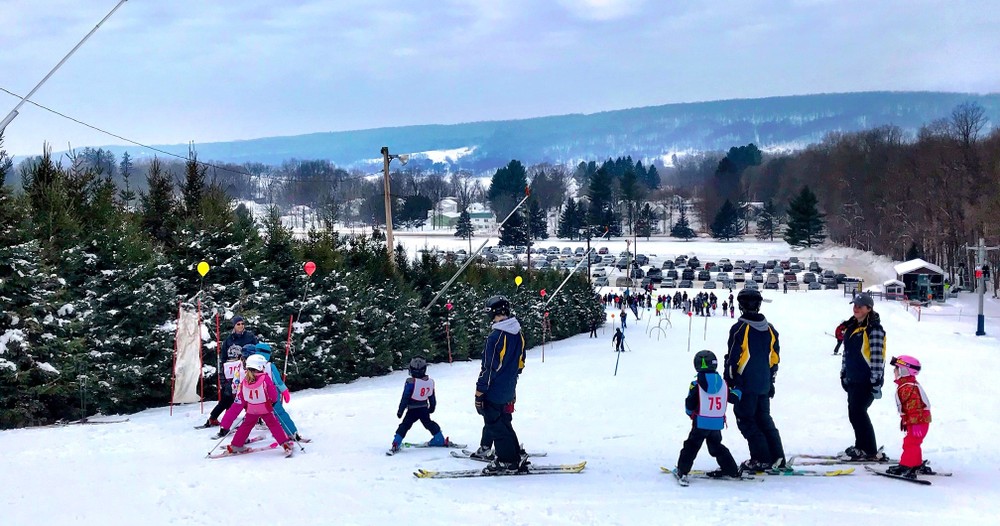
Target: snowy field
x=152, y=470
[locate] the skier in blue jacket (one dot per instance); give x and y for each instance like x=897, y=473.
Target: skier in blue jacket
x=418, y=401
x=284, y=395
x=503, y=359
x=706, y=403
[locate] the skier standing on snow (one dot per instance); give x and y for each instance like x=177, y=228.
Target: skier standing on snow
x=839, y=334
x=706, y=404
x=257, y=396
x=861, y=374
x=418, y=401
x=236, y=339
x=751, y=366
x=503, y=359
x=284, y=395
x=618, y=340
x=915, y=417
x=623, y=315
x=230, y=370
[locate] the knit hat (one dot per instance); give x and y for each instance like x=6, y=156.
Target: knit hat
x=237, y=319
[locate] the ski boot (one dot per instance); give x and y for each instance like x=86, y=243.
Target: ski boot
x=289, y=447
x=236, y=449
x=397, y=444
x=781, y=466
x=222, y=432
x=720, y=474
x=483, y=453
x=925, y=469
x=903, y=471
x=754, y=466
x=438, y=441
x=498, y=467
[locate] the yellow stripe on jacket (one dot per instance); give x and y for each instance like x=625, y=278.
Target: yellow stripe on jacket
x=773, y=358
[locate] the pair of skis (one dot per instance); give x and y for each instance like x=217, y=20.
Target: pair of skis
x=532, y=469
x=923, y=482
x=758, y=475
x=409, y=445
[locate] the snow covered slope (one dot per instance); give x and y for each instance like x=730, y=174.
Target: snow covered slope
x=152, y=470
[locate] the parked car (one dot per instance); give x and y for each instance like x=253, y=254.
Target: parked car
x=739, y=263
x=814, y=267
x=785, y=264
x=709, y=285
x=727, y=267
x=723, y=261
x=793, y=285
x=704, y=275
x=672, y=274
x=622, y=264
x=815, y=285
x=722, y=276
x=758, y=277
x=599, y=271
x=636, y=273
x=667, y=265
x=709, y=265
x=790, y=276
x=686, y=284
x=622, y=281
x=829, y=283
x=750, y=285
x=840, y=278
x=641, y=259
x=828, y=273
x=687, y=273
x=602, y=251
x=738, y=275
x=769, y=264
x=772, y=282
x=601, y=281
x=694, y=263
x=808, y=277
x=654, y=274
x=668, y=283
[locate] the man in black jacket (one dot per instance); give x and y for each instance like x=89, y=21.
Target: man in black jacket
x=503, y=360
x=751, y=366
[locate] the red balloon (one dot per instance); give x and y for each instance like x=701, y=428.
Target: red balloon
x=310, y=267
x=448, y=305
x=543, y=293
x=546, y=314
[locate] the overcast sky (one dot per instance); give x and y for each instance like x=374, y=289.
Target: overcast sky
x=173, y=71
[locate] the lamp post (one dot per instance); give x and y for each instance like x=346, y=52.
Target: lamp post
x=13, y=113
x=387, y=158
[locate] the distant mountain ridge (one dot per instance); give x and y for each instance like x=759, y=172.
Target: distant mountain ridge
x=788, y=122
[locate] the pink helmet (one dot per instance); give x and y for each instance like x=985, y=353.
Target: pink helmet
x=909, y=365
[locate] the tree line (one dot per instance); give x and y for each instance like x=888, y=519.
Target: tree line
x=92, y=276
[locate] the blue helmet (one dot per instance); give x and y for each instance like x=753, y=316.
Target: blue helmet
x=263, y=348
x=249, y=349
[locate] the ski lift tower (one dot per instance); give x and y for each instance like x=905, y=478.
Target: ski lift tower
x=981, y=275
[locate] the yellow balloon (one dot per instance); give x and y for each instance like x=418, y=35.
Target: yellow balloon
x=518, y=281
x=202, y=268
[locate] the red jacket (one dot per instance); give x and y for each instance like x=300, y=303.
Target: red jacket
x=912, y=409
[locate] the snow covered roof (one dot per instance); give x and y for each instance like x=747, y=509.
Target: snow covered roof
x=893, y=282
x=915, y=264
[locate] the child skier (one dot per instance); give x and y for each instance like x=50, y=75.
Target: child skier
x=419, y=401
x=230, y=369
x=285, y=395
x=915, y=417
x=706, y=404
x=257, y=395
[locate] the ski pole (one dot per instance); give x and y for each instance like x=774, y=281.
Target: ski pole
x=705, y=336
x=223, y=438
x=690, y=322
x=616, y=362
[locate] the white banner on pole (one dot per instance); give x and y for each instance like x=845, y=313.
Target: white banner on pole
x=187, y=367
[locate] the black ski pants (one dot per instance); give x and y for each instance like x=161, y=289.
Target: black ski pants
x=715, y=448
x=499, y=427
x=859, y=399
x=753, y=417
x=225, y=402
x=417, y=413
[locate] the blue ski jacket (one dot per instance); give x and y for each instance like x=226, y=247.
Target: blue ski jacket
x=503, y=359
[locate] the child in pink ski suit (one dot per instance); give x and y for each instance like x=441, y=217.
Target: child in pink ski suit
x=257, y=395
x=915, y=416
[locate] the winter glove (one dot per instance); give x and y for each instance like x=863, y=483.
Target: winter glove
x=919, y=430
x=286, y=396
x=509, y=408
x=399, y=414
x=843, y=382
x=431, y=409
x=877, y=391
x=770, y=392
x=902, y=425
x=735, y=394
x=480, y=401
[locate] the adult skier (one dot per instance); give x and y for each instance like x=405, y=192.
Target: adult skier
x=503, y=359
x=751, y=366
x=862, y=372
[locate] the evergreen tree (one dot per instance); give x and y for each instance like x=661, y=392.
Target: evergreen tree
x=538, y=225
x=805, y=222
x=514, y=232
x=464, y=228
x=570, y=221
x=768, y=221
x=507, y=188
x=726, y=224
x=599, y=192
x=194, y=184
x=156, y=206
x=914, y=252
x=682, y=228
x=48, y=190
x=644, y=225
x=652, y=178
x=127, y=195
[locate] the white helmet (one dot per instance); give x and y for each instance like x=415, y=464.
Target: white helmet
x=256, y=362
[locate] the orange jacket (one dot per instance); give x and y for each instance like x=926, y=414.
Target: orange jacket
x=912, y=408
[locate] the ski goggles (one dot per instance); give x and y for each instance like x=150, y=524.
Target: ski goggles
x=898, y=362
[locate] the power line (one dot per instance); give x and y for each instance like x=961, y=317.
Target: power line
x=164, y=152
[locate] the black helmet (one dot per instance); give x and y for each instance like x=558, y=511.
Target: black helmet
x=498, y=305
x=418, y=367
x=749, y=300
x=705, y=362
x=234, y=352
